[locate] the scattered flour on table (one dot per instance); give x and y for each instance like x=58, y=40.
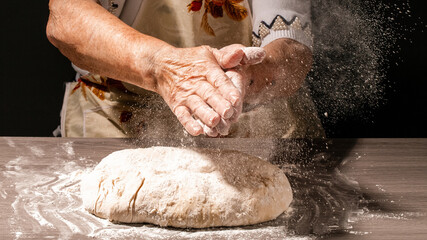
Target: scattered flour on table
x=46, y=201
x=68, y=148
x=10, y=142
x=37, y=151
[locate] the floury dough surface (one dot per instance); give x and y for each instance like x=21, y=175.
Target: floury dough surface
x=179, y=187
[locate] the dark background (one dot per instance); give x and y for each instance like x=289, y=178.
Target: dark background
x=32, y=75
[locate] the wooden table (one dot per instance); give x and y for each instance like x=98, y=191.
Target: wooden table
x=344, y=188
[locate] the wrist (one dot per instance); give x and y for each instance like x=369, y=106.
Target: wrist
x=283, y=70
x=148, y=62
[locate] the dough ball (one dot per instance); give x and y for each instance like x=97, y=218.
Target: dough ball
x=185, y=188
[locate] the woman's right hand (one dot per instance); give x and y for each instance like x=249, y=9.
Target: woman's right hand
x=193, y=83
x=191, y=80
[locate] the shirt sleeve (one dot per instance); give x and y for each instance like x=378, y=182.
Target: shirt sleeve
x=274, y=19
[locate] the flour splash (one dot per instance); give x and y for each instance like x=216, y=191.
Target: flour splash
x=352, y=44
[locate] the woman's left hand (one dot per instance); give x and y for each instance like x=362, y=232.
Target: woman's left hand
x=236, y=70
x=282, y=72
x=262, y=74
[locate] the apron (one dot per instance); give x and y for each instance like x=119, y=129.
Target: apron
x=96, y=106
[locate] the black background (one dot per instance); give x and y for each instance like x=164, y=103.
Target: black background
x=32, y=75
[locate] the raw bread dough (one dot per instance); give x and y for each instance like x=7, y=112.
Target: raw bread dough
x=181, y=187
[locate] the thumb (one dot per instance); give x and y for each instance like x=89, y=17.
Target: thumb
x=253, y=55
x=230, y=56
x=234, y=55
x=238, y=79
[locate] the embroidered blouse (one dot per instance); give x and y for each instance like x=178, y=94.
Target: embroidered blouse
x=217, y=23
x=270, y=19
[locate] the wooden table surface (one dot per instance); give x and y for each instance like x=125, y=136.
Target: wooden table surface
x=344, y=188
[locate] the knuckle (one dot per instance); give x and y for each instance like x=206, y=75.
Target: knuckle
x=208, y=94
x=235, y=92
x=198, y=108
x=205, y=49
x=187, y=125
x=180, y=113
x=219, y=81
x=192, y=102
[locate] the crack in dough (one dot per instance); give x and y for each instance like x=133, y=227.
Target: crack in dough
x=186, y=188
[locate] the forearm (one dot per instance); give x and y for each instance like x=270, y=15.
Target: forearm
x=281, y=73
x=97, y=41
x=190, y=80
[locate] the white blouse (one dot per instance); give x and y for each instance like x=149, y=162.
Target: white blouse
x=269, y=19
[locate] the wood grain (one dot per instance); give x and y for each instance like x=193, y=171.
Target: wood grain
x=392, y=173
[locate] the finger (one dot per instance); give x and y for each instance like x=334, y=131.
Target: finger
x=237, y=78
x=186, y=120
x=237, y=111
x=202, y=111
x=225, y=87
x=223, y=127
x=236, y=115
x=211, y=132
x=217, y=101
x=253, y=55
x=229, y=56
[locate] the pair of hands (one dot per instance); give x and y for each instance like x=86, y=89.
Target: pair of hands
x=203, y=82
x=205, y=87
x=199, y=82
